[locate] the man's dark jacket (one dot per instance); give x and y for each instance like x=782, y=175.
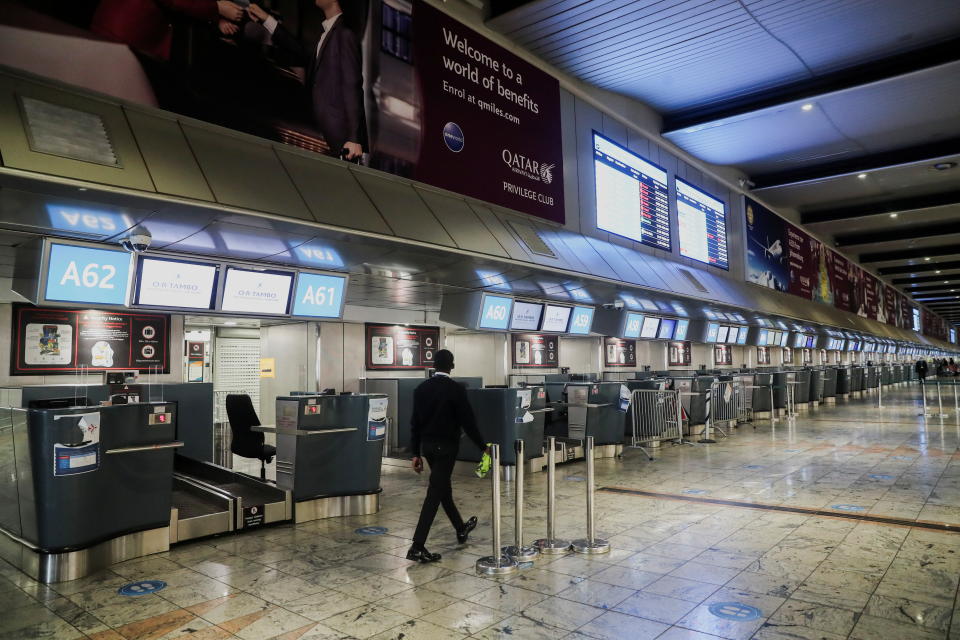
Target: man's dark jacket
x=440, y=411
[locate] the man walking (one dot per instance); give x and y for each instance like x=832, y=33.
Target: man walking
x=440, y=411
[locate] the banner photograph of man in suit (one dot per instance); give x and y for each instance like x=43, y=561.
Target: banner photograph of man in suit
x=334, y=76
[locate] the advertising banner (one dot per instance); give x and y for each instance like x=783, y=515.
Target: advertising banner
x=62, y=341
x=534, y=351
x=619, y=352
x=399, y=347
x=782, y=257
x=803, y=253
x=767, y=263
x=396, y=85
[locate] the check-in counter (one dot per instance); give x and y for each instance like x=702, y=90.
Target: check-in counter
x=816, y=386
x=85, y=487
x=329, y=451
x=694, y=392
x=871, y=376
x=582, y=409
x=829, y=379
x=801, y=388
x=857, y=379
x=505, y=416
x=399, y=392
x=844, y=381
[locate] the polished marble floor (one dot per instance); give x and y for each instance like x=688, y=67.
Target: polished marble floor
x=679, y=569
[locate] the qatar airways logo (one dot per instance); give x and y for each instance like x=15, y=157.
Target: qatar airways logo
x=528, y=167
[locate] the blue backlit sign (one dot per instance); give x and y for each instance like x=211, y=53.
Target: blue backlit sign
x=631, y=326
x=581, y=320
x=681, y=331
x=495, y=312
x=318, y=295
x=94, y=221
x=87, y=275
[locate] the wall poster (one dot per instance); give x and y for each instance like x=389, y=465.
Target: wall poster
x=679, y=354
x=618, y=352
x=63, y=341
x=397, y=347
x=763, y=355
x=722, y=355
x=534, y=350
x=399, y=86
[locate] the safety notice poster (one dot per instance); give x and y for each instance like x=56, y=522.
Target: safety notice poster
x=397, y=347
x=65, y=341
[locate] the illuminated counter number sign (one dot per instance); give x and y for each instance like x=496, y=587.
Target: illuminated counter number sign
x=319, y=296
x=581, y=320
x=87, y=275
x=495, y=312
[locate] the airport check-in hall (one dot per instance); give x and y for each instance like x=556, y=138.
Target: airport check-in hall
x=487, y=319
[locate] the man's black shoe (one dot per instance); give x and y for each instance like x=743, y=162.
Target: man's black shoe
x=422, y=555
x=465, y=530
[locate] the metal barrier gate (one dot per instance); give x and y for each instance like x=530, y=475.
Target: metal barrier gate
x=655, y=416
x=728, y=400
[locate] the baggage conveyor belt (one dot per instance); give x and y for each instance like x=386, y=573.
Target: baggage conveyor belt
x=210, y=500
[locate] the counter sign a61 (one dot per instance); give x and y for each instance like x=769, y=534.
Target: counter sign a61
x=319, y=296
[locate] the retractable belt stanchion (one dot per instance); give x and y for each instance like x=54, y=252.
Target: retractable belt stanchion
x=550, y=544
x=590, y=544
x=518, y=551
x=879, y=394
x=496, y=564
x=941, y=414
x=923, y=395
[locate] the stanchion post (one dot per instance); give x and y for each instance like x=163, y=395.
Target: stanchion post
x=940, y=413
x=879, y=395
x=518, y=551
x=923, y=395
x=550, y=544
x=590, y=544
x=496, y=564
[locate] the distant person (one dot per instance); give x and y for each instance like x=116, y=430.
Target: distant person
x=921, y=369
x=334, y=80
x=440, y=411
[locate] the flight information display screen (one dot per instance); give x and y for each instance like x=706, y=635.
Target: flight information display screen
x=702, y=223
x=681, y=331
x=667, y=327
x=632, y=195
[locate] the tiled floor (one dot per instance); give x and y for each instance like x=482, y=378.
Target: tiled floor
x=674, y=566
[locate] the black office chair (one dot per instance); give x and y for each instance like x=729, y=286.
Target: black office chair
x=247, y=443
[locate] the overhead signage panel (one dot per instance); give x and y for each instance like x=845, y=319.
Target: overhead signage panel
x=556, y=318
x=581, y=321
x=259, y=292
x=163, y=282
x=86, y=275
x=319, y=296
x=495, y=312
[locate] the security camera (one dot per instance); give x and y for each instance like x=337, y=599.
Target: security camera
x=138, y=241
x=616, y=304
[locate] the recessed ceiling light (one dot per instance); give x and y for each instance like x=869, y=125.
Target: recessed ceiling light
x=807, y=107
x=893, y=215
x=944, y=166
x=862, y=176
x=927, y=259
x=937, y=271
x=229, y=323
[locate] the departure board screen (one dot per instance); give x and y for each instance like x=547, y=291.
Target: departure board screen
x=702, y=223
x=632, y=195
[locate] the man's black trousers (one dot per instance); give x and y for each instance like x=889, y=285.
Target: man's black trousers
x=441, y=457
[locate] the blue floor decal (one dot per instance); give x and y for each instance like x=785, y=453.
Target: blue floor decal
x=142, y=588
x=371, y=531
x=735, y=611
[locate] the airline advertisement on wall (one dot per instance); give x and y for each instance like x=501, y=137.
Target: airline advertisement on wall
x=396, y=85
x=65, y=341
x=782, y=257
